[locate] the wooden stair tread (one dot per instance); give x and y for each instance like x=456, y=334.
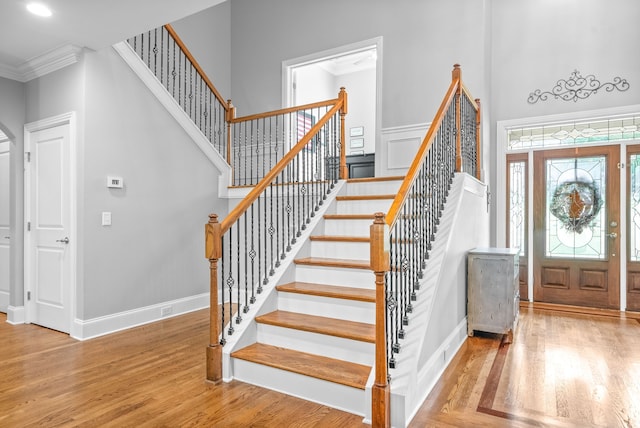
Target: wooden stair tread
x=353, y=330
x=329, y=369
x=364, y=197
x=328, y=262
x=324, y=290
x=374, y=179
x=349, y=216
x=340, y=238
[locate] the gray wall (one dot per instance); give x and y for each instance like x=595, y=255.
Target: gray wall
x=12, y=117
x=154, y=250
x=535, y=44
x=207, y=34
x=422, y=39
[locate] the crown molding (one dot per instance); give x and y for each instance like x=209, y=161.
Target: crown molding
x=42, y=64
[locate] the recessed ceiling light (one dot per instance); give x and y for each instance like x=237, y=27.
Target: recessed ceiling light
x=39, y=9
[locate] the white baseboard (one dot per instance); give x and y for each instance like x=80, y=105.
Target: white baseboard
x=431, y=372
x=88, y=329
x=15, y=315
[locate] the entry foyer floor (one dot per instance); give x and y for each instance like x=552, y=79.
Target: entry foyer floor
x=562, y=370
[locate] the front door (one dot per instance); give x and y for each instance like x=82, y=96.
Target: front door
x=48, y=254
x=576, y=240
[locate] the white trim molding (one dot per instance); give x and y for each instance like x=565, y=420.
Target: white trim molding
x=399, y=146
x=41, y=65
x=15, y=315
x=100, y=326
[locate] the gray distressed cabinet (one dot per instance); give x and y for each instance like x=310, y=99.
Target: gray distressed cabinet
x=493, y=292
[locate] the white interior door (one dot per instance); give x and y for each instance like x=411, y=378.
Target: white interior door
x=48, y=261
x=5, y=241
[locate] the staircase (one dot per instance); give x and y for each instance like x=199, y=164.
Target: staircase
x=319, y=343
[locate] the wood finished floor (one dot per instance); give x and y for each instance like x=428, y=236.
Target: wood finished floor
x=562, y=370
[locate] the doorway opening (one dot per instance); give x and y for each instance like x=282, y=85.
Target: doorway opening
x=357, y=68
x=5, y=214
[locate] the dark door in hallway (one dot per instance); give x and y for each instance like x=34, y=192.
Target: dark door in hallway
x=576, y=206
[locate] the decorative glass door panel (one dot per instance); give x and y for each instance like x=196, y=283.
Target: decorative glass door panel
x=575, y=223
x=633, y=228
x=576, y=215
x=517, y=173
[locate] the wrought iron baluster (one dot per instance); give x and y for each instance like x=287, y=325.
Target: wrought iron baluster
x=252, y=256
x=222, y=289
x=238, y=270
x=230, y=281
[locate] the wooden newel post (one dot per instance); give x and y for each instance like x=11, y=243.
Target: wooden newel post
x=344, y=172
x=478, y=142
x=379, y=256
x=213, y=251
x=231, y=114
x=456, y=75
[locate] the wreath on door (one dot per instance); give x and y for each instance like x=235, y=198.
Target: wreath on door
x=576, y=204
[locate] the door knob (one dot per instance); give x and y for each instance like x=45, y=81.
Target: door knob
x=7, y=237
x=612, y=235
x=65, y=240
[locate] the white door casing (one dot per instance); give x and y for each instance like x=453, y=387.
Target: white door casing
x=5, y=242
x=50, y=223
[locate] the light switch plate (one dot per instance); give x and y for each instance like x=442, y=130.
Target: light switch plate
x=106, y=218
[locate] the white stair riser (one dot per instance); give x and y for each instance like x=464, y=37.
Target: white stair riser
x=359, y=278
x=344, y=309
x=341, y=250
x=373, y=188
x=330, y=394
x=319, y=344
x=367, y=206
x=347, y=227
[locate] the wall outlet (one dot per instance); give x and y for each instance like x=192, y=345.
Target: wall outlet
x=166, y=311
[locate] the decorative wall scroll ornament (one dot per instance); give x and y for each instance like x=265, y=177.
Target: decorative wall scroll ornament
x=577, y=88
x=576, y=202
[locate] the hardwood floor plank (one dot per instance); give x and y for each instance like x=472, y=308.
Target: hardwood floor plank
x=153, y=376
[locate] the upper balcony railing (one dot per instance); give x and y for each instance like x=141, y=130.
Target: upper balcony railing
x=252, y=145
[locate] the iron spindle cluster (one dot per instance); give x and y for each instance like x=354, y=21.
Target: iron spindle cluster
x=469, y=134
x=413, y=232
x=175, y=70
x=254, y=246
x=450, y=146
x=260, y=142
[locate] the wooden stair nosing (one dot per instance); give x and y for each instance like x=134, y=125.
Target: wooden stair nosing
x=340, y=238
x=374, y=179
x=338, y=263
x=325, y=290
x=329, y=369
x=349, y=216
x=365, y=197
x=345, y=329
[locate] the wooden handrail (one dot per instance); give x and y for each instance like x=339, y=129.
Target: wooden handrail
x=277, y=169
x=284, y=111
x=412, y=173
x=197, y=66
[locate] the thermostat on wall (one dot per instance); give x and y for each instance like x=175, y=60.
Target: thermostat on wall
x=115, y=182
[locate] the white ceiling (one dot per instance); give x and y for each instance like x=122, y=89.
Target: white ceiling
x=94, y=24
